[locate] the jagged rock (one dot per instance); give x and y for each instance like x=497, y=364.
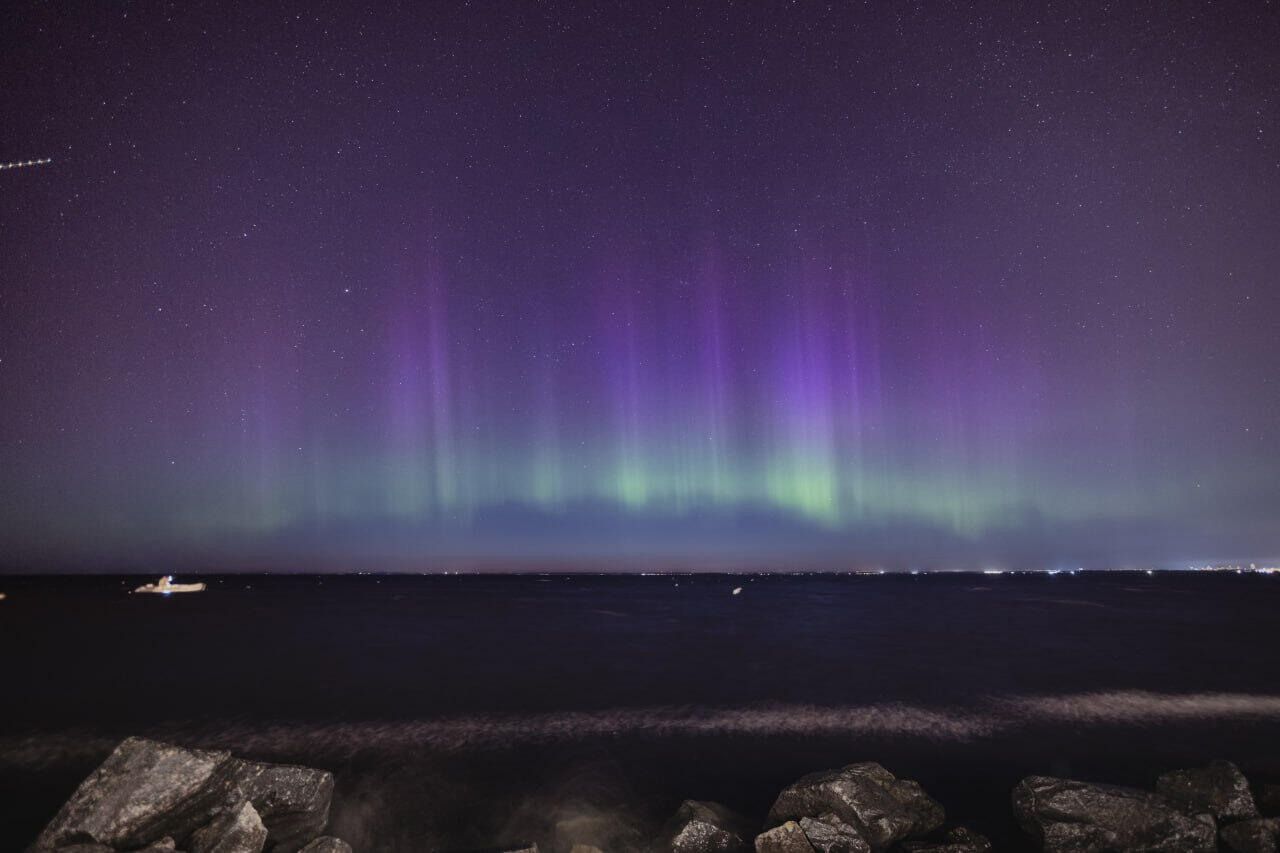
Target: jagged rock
x=700, y=827
x=237, y=830
x=145, y=790
x=87, y=848
x=829, y=834
x=882, y=808
x=292, y=801
x=958, y=840
x=1258, y=835
x=327, y=844
x=1066, y=816
x=585, y=848
x=787, y=838
x=1218, y=788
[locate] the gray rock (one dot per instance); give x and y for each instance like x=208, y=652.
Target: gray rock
x=700, y=827
x=1258, y=835
x=787, y=838
x=87, y=848
x=1066, y=816
x=958, y=840
x=1218, y=788
x=882, y=808
x=829, y=834
x=237, y=830
x=147, y=790
x=292, y=801
x=327, y=844
x=585, y=848
x=144, y=791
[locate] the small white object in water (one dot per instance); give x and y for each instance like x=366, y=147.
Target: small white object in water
x=737, y=590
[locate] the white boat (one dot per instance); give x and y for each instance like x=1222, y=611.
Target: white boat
x=165, y=585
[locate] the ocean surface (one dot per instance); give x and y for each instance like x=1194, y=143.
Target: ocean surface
x=468, y=711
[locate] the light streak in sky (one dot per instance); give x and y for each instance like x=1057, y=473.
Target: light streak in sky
x=21, y=164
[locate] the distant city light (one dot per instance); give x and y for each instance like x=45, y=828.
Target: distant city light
x=22, y=164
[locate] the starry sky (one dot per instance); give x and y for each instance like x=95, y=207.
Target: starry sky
x=635, y=285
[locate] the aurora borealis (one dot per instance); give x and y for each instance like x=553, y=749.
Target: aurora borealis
x=536, y=285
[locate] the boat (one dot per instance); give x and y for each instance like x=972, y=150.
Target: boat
x=165, y=585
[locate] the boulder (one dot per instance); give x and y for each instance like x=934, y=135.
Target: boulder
x=787, y=838
x=700, y=827
x=829, y=834
x=292, y=801
x=147, y=790
x=1218, y=788
x=327, y=844
x=867, y=797
x=144, y=791
x=1257, y=835
x=1067, y=816
x=958, y=840
x=237, y=830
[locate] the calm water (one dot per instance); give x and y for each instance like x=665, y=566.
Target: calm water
x=468, y=711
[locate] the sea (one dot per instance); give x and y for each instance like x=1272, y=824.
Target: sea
x=463, y=712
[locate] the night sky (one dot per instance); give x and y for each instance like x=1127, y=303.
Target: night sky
x=536, y=285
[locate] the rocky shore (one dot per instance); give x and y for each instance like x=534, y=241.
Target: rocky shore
x=152, y=797
x=155, y=797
